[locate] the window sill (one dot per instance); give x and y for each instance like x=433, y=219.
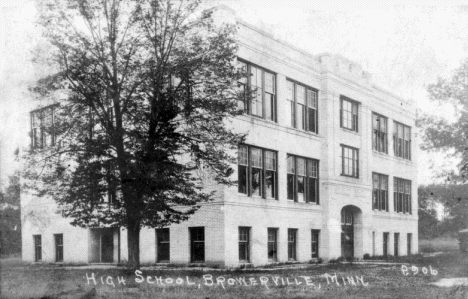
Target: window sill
x=349, y=176
x=350, y=131
x=303, y=202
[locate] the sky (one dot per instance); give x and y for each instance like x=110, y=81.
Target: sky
x=405, y=45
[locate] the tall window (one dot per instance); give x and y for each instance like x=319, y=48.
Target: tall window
x=303, y=107
x=396, y=241
x=402, y=140
x=385, y=244
x=315, y=243
x=379, y=136
x=302, y=179
x=163, y=242
x=42, y=127
x=349, y=114
x=197, y=244
x=257, y=172
x=58, y=247
x=292, y=243
x=259, y=89
x=409, y=239
x=349, y=161
x=272, y=244
x=244, y=244
x=37, y=248
x=379, y=192
x=402, y=196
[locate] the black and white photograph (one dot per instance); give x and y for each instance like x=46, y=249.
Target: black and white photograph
x=233, y=149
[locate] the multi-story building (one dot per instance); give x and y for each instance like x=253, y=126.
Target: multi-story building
x=327, y=170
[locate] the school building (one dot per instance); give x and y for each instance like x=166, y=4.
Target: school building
x=328, y=169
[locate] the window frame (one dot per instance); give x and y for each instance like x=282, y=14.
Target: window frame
x=292, y=244
x=294, y=104
x=193, y=242
x=404, y=151
x=245, y=243
x=355, y=157
x=396, y=244
x=379, y=137
x=37, y=239
x=274, y=243
x=354, y=117
x=380, y=202
x=58, y=248
x=39, y=130
x=249, y=174
x=160, y=241
x=385, y=241
x=315, y=243
x=402, y=201
x=306, y=177
x=250, y=93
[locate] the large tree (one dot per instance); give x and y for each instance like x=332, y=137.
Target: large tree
x=146, y=90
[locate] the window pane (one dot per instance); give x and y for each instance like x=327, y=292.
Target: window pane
x=256, y=182
x=269, y=83
x=300, y=94
x=291, y=168
x=291, y=182
x=289, y=90
x=272, y=244
x=311, y=120
x=242, y=179
x=270, y=183
x=311, y=99
x=270, y=160
x=269, y=106
x=300, y=188
x=311, y=190
x=256, y=157
x=242, y=155
x=300, y=166
x=312, y=168
x=301, y=116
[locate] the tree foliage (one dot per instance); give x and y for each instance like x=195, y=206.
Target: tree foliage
x=449, y=135
x=10, y=217
x=146, y=90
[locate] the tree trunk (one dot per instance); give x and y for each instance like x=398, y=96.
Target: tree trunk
x=133, y=239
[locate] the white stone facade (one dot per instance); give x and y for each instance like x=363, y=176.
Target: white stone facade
x=333, y=77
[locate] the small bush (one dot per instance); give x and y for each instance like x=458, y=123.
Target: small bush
x=366, y=256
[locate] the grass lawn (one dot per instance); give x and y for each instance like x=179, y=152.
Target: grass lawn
x=370, y=281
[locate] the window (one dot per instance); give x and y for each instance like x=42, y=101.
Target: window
x=42, y=127
x=402, y=196
x=379, y=133
x=58, y=247
x=409, y=239
x=256, y=172
x=385, y=244
x=350, y=161
x=346, y=217
x=401, y=140
x=379, y=192
x=349, y=114
x=272, y=244
x=259, y=90
x=303, y=107
x=302, y=179
x=373, y=243
x=292, y=242
x=37, y=248
x=197, y=244
x=163, y=242
x=396, y=242
x=244, y=244
x=315, y=243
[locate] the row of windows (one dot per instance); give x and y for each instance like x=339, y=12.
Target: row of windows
x=257, y=176
x=303, y=109
x=197, y=244
x=58, y=242
x=396, y=243
x=401, y=194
